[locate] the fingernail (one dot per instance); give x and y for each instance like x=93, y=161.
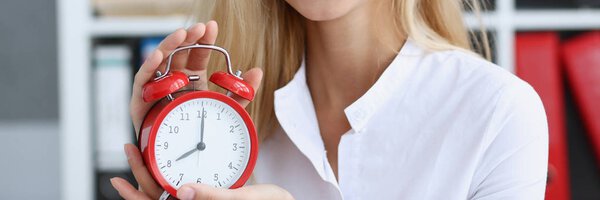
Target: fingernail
x=185, y=193
x=126, y=152
x=112, y=182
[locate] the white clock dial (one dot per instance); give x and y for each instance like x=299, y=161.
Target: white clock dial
x=202, y=141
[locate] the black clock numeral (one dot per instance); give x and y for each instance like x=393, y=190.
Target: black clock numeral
x=218, y=116
x=168, y=163
x=231, y=128
x=230, y=165
x=166, y=145
x=185, y=117
x=180, y=178
x=201, y=114
x=199, y=180
x=216, y=177
x=173, y=129
x=235, y=147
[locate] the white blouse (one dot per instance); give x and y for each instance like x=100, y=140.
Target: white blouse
x=435, y=125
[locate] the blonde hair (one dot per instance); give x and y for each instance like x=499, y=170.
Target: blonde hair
x=270, y=34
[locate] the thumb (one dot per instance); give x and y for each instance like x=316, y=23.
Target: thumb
x=261, y=191
x=202, y=191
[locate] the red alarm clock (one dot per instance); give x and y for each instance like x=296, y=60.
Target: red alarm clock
x=194, y=136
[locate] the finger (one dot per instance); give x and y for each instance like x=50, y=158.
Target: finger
x=202, y=191
x=145, y=74
x=153, y=61
x=198, y=59
x=148, y=69
x=140, y=172
x=194, y=33
x=126, y=190
x=210, y=36
x=262, y=192
x=202, y=83
x=253, y=77
x=170, y=43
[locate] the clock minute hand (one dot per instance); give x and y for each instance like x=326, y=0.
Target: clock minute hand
x=186, y=154
x=202, y=145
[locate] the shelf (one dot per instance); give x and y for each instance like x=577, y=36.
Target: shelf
x=78, y=28
x=488, y=20
x=135, y=26
x=576, y=19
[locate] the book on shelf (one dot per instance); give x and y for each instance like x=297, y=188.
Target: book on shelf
x=112, y=89
x=557, y=4
x=116, y=60
x=582, y=65
x=143, y=7
x=538, y=63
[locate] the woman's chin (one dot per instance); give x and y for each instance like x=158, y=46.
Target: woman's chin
x=324, y=11
x=325, y=15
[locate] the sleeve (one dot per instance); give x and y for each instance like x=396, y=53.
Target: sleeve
x=514, y=164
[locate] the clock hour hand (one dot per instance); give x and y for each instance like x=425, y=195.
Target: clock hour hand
x=186, y=154
x=199, y=147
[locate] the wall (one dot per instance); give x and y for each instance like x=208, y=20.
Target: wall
x=28, y=100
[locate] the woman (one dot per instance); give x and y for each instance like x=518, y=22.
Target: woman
x=364, y=99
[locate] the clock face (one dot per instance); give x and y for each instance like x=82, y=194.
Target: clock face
x=202, y=140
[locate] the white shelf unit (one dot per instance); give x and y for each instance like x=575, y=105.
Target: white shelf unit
x=523, y=20
x=78, y=28
x=135, y=26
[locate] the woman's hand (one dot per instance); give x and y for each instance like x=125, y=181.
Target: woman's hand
x=190, y=62
x=258, y=192
x=151, y=190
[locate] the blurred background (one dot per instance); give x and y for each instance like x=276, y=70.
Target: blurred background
x=67, y=68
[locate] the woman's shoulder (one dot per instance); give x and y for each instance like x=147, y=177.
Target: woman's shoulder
x=462, y=81
x=474, y=97
x=464, y=71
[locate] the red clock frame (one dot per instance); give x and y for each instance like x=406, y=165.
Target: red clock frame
x=159, y=111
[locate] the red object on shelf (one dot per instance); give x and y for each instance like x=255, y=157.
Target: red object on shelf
x=582, y=59
x=538, y=63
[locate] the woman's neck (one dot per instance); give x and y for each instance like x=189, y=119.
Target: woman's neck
x=344, y=57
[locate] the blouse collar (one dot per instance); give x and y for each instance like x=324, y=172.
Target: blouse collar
x=295, y=112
